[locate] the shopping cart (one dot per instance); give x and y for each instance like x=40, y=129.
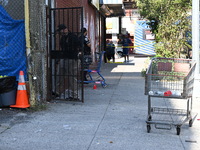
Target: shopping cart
x=94, y=75
x=169, y=79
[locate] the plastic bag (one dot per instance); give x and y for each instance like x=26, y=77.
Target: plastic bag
x=7, y=84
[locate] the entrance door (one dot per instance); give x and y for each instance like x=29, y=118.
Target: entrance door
x=65, y=48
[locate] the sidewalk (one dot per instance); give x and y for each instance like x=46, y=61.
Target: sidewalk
x=111, y=118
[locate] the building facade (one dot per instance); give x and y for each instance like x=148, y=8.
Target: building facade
x=93, y=20
x=35, y=14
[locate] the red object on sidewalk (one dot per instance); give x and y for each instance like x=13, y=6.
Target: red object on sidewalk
x=95, y=87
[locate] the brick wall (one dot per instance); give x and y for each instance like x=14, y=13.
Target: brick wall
x=69, y=3
x=91, y=18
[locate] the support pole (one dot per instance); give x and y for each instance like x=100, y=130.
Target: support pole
x=195, y=46
x=26, y=8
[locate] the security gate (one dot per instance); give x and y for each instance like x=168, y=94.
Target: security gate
x=65, y=48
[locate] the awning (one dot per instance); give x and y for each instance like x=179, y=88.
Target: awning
x=112, y=8
x=112, y=1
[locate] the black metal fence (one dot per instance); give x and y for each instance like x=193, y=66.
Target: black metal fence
x=65, y=47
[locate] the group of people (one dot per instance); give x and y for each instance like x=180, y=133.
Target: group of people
x=71, y=46
x=110, y=48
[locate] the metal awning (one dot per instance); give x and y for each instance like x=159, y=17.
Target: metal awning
x=111, y=1
x=112, y=8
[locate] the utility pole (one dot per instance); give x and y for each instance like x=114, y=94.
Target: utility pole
x=195, y=46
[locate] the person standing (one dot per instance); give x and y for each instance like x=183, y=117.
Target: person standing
x=125, y=44
x=106, y=55
x=112, y=51
x=69, y=44
x=87, y=59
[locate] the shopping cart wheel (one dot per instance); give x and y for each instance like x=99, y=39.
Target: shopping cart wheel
x=104, y=85
x=149, y=118
x=178, y=130
x=190, y=123
x=148, y=128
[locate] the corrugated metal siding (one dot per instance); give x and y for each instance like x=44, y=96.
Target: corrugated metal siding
x=142, y=46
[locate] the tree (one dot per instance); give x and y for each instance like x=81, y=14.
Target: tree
x=168, y=19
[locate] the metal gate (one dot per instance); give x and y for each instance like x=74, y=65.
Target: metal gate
x=65, y=48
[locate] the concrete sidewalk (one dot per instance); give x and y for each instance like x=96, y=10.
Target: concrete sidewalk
x=112, y=118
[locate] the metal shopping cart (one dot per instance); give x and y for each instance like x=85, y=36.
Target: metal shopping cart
x=94, y=75
x=169, y=79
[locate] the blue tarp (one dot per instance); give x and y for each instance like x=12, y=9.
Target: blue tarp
x=12, y=45
x=142, y=46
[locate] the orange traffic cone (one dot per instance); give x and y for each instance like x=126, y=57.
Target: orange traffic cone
x=95, y=87
x=22, y=97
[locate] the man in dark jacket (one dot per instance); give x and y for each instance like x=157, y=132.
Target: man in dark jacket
x=69, y=44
